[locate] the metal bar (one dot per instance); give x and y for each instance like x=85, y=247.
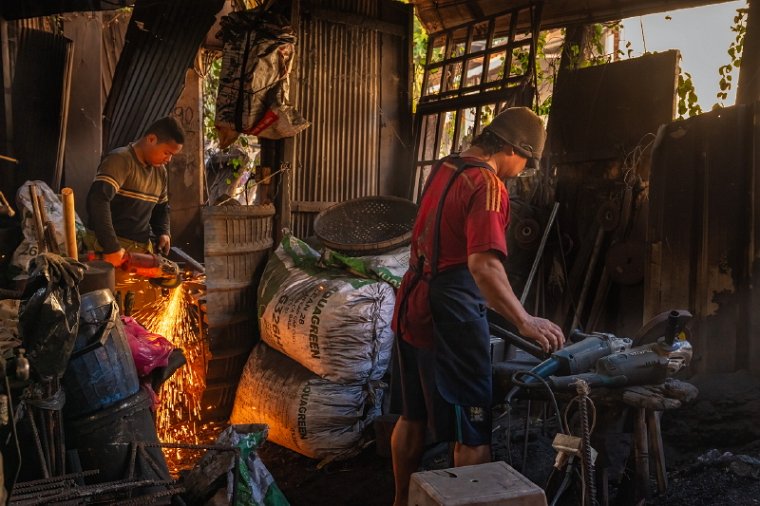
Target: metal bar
x=32, y=485
x=90, y=491
x=492, y=16
x=589, y=275
x=152, y=462
x=68, y=66
x=539, y=253
x=508, y=51
x=132, y=460
x=150, y=498
x=38, y=443
x=484, y=98
x=517, y=340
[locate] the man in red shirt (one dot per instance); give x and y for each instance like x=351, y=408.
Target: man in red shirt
x=456, y=272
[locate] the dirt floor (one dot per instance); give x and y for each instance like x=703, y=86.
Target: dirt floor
x=712, y=455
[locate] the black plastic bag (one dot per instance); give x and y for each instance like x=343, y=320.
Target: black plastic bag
x=49, y=313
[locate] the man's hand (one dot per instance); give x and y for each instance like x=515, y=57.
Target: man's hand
x=116, y=258
x=546, y=333
x=489, y=274
x=164, y=244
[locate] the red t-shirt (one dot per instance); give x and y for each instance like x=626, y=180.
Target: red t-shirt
x=475, y=216
x=474, y=220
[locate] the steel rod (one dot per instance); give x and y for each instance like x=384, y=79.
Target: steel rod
x=539, y=253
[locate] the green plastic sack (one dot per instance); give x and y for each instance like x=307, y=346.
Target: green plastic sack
x=255, y=485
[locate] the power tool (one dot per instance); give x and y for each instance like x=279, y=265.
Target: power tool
x=647, y=364
x=578, y=357
x=637, y=366
x=159, y=270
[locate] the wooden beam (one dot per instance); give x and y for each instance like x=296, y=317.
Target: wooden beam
x=358, y=20
x=7, y=88
x=436, y=16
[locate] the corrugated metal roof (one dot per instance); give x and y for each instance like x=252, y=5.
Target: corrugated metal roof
x=161, y=42
x=437, y=15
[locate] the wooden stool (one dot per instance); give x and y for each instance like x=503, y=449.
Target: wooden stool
x=648, y=403
x=647, y=443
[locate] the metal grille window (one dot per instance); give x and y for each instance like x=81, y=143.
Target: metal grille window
x=472, y=72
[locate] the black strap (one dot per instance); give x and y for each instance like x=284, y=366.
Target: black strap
x=419, y=269
x=461, y=165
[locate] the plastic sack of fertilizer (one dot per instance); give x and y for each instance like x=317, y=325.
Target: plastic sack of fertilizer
x=304, y=412
x=335, y=324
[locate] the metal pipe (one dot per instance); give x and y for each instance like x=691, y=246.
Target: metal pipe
x=197, y=266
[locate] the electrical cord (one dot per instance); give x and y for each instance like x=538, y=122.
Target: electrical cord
x=541, y=383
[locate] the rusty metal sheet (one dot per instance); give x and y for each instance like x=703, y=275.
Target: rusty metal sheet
x=114, y=29
x=698, y=237
x=604, y=111
x=161, y=42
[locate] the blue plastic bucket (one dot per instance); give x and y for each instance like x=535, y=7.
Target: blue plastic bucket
x=101, y=371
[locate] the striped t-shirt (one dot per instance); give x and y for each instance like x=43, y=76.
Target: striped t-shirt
x=127, y=199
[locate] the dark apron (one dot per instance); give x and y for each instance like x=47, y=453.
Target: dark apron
x=463, y=363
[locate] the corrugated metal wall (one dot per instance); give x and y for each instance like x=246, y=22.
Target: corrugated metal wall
x=338, y=86
x=114, y=31
x=161, y=42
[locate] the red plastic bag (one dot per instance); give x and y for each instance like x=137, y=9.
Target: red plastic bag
x=149, y=350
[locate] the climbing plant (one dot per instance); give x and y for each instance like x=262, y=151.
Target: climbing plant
x=735, y=51
x=687, y=97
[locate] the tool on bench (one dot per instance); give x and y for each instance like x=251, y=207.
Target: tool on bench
x=576, y=358
x=643, y=365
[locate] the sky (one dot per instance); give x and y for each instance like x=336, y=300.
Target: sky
x=702, y=34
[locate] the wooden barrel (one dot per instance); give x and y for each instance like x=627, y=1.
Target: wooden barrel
x=237, y=242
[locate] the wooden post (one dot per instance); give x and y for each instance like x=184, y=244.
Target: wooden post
x=7, y=174
x=655, y=445
x=7, y=87
x=69, y=227
x=39, y=227
x=641, y=456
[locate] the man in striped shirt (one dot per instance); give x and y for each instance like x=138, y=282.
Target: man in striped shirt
x=128, y=199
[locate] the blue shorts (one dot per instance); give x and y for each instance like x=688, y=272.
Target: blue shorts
x=450, y=385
